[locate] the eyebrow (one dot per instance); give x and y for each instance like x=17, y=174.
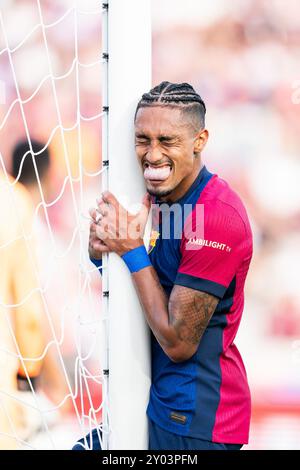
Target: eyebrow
x=167, y=137
x=161, y=137
x=140, y=135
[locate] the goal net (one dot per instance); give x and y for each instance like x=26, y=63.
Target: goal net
x=68, y=86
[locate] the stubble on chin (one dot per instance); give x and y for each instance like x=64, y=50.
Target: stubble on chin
x=159, y=193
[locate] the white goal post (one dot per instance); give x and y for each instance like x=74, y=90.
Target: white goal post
x=127, y=74
x=61, y=396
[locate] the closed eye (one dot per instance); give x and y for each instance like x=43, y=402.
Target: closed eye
x=141, y=141
x=167, y=140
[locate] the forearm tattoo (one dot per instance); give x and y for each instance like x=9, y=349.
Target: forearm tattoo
x=190, y=312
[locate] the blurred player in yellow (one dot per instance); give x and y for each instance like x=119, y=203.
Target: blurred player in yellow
x=20, y=326
x=52, y=380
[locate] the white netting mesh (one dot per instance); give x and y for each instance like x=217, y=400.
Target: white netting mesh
x=50, y=62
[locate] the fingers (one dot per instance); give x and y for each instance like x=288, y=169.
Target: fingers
x=101, y=233
x=97, y=247
x=109, y=198
x=96, y=215
x=93, y=227
x=100, y=247
x=93, y=213
x=102, y=209
x=103, y=205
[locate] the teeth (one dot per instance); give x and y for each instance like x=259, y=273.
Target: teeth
x=159, y=173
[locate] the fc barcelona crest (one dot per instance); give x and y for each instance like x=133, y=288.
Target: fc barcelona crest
x=153, y=237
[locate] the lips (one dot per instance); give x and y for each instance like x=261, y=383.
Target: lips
x=160, y=173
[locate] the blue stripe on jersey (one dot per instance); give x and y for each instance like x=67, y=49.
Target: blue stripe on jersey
x=197, y=283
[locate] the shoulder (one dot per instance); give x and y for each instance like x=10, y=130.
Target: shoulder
x=224, y=207
x=219, y=218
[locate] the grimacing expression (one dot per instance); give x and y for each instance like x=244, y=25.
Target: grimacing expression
x=165, y=147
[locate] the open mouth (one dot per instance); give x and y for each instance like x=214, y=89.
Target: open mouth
x=157, y=174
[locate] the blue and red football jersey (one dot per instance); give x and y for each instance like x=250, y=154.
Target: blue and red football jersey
x=209, y=249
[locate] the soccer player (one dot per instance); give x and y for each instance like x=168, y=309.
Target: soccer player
x=20, y=327
x=191, y=281
x=51, y=378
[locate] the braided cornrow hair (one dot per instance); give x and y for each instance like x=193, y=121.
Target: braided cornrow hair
x=180, y=95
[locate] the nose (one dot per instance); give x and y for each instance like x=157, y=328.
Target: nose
x=154, y=154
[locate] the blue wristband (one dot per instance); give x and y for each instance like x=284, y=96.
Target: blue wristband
x=136, y=259
x=98, y=264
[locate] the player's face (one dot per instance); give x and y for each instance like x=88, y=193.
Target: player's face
x=165, y=147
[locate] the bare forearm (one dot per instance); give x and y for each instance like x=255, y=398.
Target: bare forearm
x=178, y=323
x=155, y=305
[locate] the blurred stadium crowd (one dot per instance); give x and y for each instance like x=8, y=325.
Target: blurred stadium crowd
x=243, y=58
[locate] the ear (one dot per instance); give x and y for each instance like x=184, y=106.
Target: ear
x=200, y=141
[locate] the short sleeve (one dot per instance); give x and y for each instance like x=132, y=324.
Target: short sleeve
x=213, y=247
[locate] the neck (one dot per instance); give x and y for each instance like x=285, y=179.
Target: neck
x=184, y=185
